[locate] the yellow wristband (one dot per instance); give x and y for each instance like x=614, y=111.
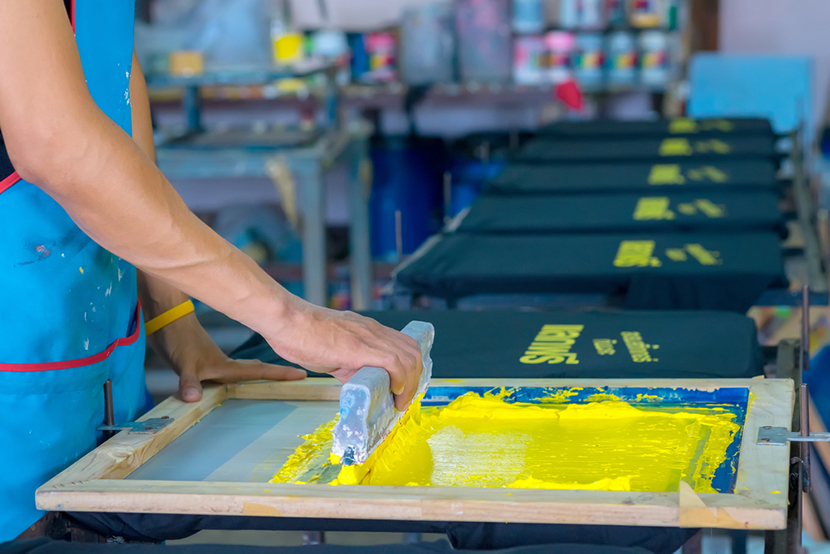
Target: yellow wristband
x=168, y=317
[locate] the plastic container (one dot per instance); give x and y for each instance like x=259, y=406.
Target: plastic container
x=615, y=13
x=333, y=45
x=582, y=14
x=528, y=16
x=561, y=48
x=529, y=57
x=484, y=40
x=428, y=45
x=646, y=14
x=588, y=60
x=621, y=57
x=655, y=58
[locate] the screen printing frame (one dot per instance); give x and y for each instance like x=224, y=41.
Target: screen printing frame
x=97, y=483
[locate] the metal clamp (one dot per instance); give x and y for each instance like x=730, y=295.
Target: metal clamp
x=146, y=427
x=779, y=436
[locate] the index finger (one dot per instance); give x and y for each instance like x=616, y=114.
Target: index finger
x=406, y=376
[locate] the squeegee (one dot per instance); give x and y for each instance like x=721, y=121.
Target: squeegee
x=367, y=407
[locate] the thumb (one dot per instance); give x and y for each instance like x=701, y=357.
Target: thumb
x=190, y=388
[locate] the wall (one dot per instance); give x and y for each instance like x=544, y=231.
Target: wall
x=781, y=27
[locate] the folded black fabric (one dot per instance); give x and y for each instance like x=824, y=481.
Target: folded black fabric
x=694, y=271
x=547, y=150
x=604, y=128
x=650, y=177
x=606, y=345
x=624, y=212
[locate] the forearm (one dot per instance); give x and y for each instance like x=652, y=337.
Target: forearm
x=118, y=197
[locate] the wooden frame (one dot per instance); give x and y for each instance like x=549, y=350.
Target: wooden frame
x=96, y=482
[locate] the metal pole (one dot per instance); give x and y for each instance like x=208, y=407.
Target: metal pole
x=398, y=235
x=109, y=417
x=447, y=197
x=804, y=361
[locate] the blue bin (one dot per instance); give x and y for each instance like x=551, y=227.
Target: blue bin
x=407, y=177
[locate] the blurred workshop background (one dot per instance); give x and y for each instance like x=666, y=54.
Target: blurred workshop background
x=329, y=139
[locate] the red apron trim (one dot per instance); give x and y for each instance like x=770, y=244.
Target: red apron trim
x=8, y=182
x=69, y=364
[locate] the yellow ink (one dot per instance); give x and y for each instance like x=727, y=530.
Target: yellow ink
x=81, y=270
x=636, y=253
x=665, y=174
x=484, y=441
x=553, y=345
x=653, y=208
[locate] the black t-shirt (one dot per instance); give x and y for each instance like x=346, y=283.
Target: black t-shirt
x=599, y=345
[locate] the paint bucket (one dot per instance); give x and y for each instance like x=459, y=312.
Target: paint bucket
x=621, y=57
x=528, y=60
x=560, y=47
x=528, y=16
x=654, y=58
x=588, y=59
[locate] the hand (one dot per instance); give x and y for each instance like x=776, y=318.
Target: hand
x=194, y=356
x=340, y=343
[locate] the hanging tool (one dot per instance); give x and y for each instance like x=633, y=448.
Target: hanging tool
x=367, y=407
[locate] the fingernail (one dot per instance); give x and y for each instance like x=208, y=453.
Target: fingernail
x=191, y=394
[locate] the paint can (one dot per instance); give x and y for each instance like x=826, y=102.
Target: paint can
x=655, y=58
x=560, y=47
x=582, y=14
x=615, y=13
x=621, y=57
x=484, y=40
x=528, y=59
x=528, y=16
x=588, y=59
x=645, y=14
x=427, y=45
x=380, y=49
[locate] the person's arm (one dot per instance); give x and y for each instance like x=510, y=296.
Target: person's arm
x=58, y=139
x=184, y=344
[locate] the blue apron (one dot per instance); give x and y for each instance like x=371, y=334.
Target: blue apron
x=69, y=313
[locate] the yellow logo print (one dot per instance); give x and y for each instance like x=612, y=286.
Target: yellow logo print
x=710, y=209
x=703, y=256
x=676, y=254
x=713, y=145
x=676, y=147
x=653, y=208
x=636, y=253
x=708, y=172
x=682, y=126
x=666, y=174
x=553, y=345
